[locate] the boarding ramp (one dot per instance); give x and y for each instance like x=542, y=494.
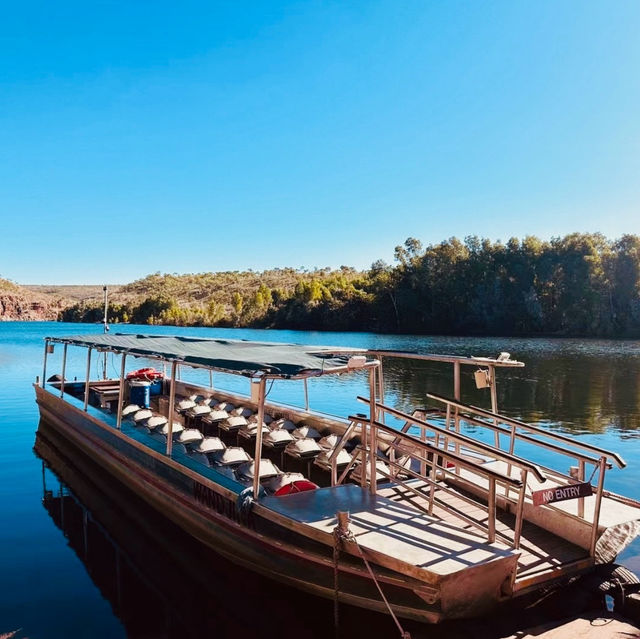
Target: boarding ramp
x=481, y=487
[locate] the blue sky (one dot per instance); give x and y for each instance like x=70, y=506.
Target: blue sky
x=183, y=137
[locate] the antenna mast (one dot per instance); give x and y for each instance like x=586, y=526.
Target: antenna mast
x=106, y=328
x=106, y=307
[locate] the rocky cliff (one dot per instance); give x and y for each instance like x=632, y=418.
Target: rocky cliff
x=19, y=303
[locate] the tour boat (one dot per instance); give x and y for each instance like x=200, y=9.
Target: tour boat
x=418, y=514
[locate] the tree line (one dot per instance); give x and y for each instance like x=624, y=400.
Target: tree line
x=579, y=285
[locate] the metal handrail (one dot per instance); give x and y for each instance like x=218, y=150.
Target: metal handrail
x=492, y=476
x=463, y=439
x=536, y=429
x=445, y=454
x=527, y=438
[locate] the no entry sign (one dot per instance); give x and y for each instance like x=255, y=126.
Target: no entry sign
x=561, y=493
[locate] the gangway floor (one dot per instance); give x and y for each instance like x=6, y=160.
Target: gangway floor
x=389, y=527
x=542, y=552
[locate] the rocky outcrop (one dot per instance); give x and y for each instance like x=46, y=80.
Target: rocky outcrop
x=19, y=304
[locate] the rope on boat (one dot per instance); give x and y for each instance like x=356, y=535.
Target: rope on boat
x=340, y=535
x=244, y=504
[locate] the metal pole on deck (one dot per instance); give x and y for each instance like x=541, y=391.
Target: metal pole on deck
x=494, y=403
x=373, y=439
x=602, y=465
x=306, y=395
x=172, y=402
x=382, y=416
x=121, y=391
x=86, y=385
x=581, y=478
x=491, y=507
x=456, y=380
x=258, y=453
x=456, y=395
x=44, y=365
x=64, y=369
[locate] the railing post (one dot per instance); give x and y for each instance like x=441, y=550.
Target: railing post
x=492, y=510
x=512, y=444
x=382, y=415
x=334, y=471
x=581, y=478
x=86, y=384
x=363, y=453
x=456, y=395
x=121, y=392
x=373, y=439
x=596, y=510
x=456, y=380
x=517, y=532
x=423, y=452
x=434, y=479
x=64, y=368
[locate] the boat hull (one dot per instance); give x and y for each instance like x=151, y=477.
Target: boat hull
x=209, y=513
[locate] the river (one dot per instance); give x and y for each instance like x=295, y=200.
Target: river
x=50, y=589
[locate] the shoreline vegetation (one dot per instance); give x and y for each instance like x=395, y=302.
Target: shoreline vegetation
x=578, y=285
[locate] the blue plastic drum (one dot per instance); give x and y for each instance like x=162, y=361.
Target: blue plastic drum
x=139, y=393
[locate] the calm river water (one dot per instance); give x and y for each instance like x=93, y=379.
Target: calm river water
x=122, y=582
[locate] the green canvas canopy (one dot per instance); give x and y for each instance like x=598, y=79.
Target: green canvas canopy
x=242, y=357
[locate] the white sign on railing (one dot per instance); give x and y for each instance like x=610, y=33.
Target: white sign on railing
x=561, y=493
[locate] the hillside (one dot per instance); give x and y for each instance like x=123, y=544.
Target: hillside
x=72, y=293
x=230, y=298
x=581, y=285
x=21, y=303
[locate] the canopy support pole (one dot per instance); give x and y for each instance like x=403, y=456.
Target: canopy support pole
x=494, y=403
x=121, y=392
x=64, y=368
x=306, y=395
x=86, y=384
x=172, y=401
x=258, y=453
x=381, y=390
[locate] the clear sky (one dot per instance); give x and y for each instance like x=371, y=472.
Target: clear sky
x=146, y=136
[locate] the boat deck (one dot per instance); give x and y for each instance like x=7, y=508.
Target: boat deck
x=540, y=550
x=383, y=525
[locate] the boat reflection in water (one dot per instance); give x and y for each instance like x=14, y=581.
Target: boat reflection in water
x=160, y=581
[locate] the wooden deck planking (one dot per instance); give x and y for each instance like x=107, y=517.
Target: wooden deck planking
x=540, y=549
